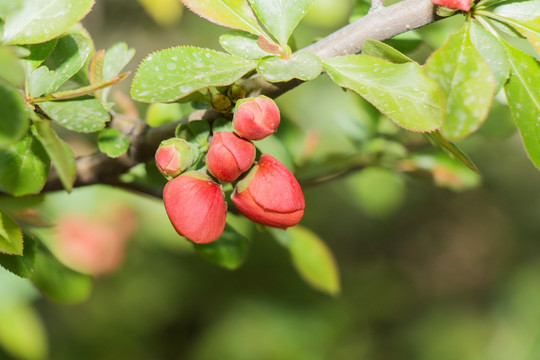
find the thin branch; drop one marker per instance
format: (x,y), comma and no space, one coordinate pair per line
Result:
(322,179)
(139,189)
(381,24)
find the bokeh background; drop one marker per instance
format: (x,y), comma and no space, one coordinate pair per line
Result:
(435,262)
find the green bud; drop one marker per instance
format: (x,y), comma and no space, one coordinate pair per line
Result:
(236,92)
(221,103)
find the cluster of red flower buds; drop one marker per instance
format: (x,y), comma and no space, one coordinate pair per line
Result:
(266,192)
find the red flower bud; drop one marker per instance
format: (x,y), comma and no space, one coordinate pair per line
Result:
(196,206)
(175,156)
(270,195)
(94,246)
(229,156)
(256,118)
(464,5)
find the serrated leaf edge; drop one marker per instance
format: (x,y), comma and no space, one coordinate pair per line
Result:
(149,58)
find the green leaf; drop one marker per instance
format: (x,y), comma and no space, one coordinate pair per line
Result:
(116,58)
(85,114)
(523,16)
(311,257)
(280,17)
(236,14)
(405,42)
(158,114)
(196,132)
(20,51)
(40,81)
(25,166)
(523,94)
(22,333)
(95,67)
(447,172)
(38,54)
(38,21)
(443,11)
(228,251)
(58,282)
(403,92)
(360,9)
(222,125)
(13,116)
(451,149)
(113,143)
(10,67)
(501,24)
(60,154)
(384,51)
(174,73)
(493,53)
(239,43)
(489,3)
(11,239)
(467,82)
(519,10)
(531,30)
(66,60)
(9,7)
(22,266)
(303,65)
(314,260)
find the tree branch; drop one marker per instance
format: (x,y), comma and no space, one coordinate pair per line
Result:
(380,23)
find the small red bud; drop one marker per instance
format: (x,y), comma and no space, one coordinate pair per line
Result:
(229,156)
(196,206)
(464,5)
(256,118)
(175,156)
(270,195)
(269,46)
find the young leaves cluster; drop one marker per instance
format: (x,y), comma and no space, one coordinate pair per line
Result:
(260,42)
(451,95)
(517,72)
(51,79)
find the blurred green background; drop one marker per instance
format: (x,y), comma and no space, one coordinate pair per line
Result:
(436,263)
